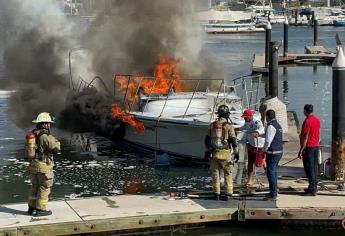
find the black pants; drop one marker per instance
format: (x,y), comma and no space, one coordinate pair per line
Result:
(310,163)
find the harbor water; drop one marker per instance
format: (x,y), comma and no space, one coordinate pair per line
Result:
(80,172)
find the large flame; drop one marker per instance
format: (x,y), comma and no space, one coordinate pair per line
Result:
(119,114)
(166,74)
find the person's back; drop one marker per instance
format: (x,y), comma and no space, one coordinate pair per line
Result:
(222,151)
(311,126)
(41,165)
(309,148)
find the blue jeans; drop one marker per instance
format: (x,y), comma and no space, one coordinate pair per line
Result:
(272,161)
(310,164)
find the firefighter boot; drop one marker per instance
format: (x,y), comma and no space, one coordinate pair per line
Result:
(38,213)
(31,210)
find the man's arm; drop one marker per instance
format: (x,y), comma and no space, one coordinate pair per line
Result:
(303,142)
(232,140)
(303,138)
(259,127)
(270,133)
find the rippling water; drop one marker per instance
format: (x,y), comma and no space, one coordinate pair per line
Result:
(82,173)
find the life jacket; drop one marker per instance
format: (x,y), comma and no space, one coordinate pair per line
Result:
(219,136)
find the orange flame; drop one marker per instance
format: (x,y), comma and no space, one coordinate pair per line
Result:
(117,113)
(167,77)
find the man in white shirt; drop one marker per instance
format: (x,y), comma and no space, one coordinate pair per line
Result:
(254,131)
(274,151)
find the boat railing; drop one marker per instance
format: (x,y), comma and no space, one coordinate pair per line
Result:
(248,87)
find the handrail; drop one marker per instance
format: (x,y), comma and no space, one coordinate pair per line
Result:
(128,81)
(147,101)
(141,80)
(190,101)
(215,103)
(102,82)
(249,93)
(166,100)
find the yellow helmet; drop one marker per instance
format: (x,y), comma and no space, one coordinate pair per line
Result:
(43,117)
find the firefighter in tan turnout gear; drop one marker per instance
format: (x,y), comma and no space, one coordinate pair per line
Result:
(40,148)
(222,151)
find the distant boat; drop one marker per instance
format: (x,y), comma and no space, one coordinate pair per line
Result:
(224,14)
(227,28)
(340,22)
(266,13)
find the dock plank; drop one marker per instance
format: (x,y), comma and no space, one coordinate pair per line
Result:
(15,215)
(131,205)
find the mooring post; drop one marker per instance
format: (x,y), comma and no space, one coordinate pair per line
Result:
(338,115)
(286,37)
(312,18)
(273,69)
(296,17)
(267,43)
(315,31)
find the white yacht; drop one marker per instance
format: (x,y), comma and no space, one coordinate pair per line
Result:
(264,13)
(176,123)
(227,28)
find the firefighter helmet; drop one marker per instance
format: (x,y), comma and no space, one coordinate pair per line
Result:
(223,110)
(43,117)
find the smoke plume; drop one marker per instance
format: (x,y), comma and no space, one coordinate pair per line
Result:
(38,38)
(137,32)
(126,38)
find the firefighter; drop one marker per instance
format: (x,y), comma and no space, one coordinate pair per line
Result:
(222,151)
(41,165)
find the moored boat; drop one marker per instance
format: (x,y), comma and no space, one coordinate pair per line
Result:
(177,122)
(226,28)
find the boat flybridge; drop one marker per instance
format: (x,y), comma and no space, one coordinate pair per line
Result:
(176,122)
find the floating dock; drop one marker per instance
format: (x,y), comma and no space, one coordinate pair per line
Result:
(142,213)
(258,62)
(137,212)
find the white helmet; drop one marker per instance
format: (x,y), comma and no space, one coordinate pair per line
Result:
(43,117)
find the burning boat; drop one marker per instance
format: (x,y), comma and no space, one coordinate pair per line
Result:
(172,114)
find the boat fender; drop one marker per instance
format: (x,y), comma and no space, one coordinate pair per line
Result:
(343,223)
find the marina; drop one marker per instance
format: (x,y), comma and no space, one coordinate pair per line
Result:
(158,212)
(132,106)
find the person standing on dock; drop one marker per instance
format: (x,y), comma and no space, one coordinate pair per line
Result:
(273,148)
(222,151)
(254,131)
(309,148)
(41,165)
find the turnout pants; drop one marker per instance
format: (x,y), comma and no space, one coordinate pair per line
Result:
(40,189)
(216,166)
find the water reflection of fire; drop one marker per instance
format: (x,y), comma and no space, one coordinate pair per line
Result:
(166,74)
(119,114)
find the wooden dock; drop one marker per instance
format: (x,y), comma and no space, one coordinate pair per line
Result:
(258,62)
(137,212)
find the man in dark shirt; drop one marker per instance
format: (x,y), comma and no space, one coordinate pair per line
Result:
(309,150)
(274,151)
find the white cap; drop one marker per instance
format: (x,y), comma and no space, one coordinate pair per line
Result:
(339,61)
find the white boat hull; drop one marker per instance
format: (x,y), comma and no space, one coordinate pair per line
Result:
(180,139)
